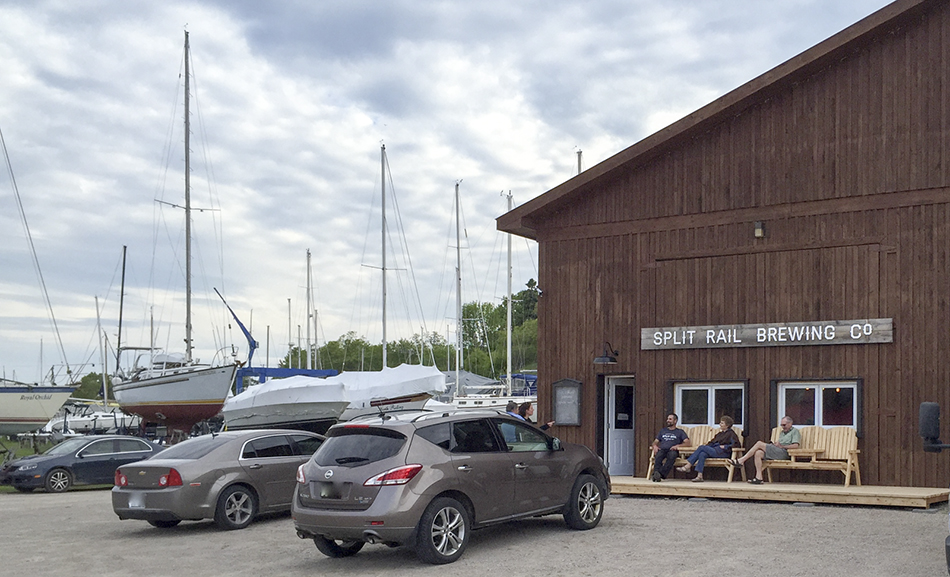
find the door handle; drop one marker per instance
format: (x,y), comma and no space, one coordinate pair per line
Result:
(464,468)
(256,466)
(521,466)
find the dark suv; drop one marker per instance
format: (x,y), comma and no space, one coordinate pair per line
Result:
(428,479)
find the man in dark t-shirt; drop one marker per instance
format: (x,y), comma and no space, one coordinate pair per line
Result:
(665,446)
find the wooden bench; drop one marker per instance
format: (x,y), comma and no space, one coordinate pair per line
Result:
(821,449)
(698,436)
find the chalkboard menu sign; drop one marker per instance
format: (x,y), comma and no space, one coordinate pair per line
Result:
(567,402)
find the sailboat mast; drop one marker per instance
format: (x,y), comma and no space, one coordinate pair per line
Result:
(118,340)
(458,287)
(309,313)
(187,209)
(102,356)
(509,302)
(382,164)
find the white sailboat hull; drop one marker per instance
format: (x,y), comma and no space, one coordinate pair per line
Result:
(27,408)
(97,421)
(179,399)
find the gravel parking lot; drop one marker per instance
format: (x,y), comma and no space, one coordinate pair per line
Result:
(76,533)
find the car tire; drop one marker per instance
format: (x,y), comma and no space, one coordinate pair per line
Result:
(586,505)
(443,531)
(165,524)
(58,481)
(337,549)
(237,506)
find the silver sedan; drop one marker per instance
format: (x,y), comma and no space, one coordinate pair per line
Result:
(230,477)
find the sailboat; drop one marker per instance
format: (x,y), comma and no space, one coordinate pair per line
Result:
(175,390)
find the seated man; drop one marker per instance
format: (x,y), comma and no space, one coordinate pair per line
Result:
(665,446)
(789,438)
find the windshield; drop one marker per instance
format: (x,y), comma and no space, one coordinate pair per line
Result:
(67,446)
(193,448)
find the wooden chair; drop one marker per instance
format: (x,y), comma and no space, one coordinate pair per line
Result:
(821,449)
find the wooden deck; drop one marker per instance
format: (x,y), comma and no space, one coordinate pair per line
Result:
(922,497)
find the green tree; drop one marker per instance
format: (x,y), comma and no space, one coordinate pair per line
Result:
(90,387)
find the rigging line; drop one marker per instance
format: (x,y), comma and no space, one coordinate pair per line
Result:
(36,261)
(211,181)
(405,246)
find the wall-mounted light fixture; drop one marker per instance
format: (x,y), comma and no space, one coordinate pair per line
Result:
(609,357)
(759,229)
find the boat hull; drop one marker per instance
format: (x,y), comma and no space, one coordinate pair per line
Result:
(27,408)
(314,417)
(177,400)
(408,403)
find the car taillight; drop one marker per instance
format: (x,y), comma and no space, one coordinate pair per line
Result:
(397,476)
(301,476)
(171,479)
(120,479)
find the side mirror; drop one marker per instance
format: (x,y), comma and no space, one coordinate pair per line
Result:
(930,427)
(555,444)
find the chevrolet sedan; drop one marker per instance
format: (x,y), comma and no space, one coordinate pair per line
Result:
(230,477)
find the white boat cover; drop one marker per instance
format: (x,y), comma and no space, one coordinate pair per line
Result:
(355,388)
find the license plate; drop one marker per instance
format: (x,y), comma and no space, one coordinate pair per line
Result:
(329,491)
(137,500)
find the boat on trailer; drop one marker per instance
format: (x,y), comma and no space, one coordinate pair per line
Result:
(171,389)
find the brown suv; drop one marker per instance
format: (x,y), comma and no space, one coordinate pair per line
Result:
(428,479)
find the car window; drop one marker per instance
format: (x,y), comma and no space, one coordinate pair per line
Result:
(272,446)
(305,444)
(133,446)
(194,448)
(103,447)
(521,437)
(440,434)
(353,447)
(66,447)
(474,437)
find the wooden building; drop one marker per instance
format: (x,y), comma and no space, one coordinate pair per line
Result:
(783,250)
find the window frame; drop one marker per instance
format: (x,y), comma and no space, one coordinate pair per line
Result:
(675,400)
(779,410)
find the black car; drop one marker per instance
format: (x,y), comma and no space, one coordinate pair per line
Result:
(89,460)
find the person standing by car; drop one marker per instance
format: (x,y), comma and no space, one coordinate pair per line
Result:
(665,446)
(526,410)
(789,438)
(719,448)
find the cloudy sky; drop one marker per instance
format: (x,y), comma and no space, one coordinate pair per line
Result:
(290,104)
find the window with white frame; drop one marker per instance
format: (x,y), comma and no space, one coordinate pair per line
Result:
(822,403)
(704,403)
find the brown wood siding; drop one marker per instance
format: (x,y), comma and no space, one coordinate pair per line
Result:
(879,263)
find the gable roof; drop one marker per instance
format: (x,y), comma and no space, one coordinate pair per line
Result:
(524,219)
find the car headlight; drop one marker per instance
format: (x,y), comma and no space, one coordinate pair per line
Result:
(26,467)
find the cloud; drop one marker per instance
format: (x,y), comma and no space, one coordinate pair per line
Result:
(291,103)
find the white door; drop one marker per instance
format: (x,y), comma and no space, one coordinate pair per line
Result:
(619,425)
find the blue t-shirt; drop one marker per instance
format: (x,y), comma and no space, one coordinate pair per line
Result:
(670,438)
